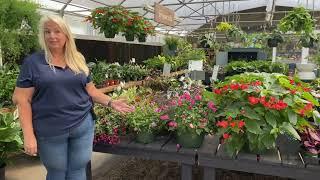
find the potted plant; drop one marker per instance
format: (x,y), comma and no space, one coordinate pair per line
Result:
(146,28)
(109,20)
(255,109)
(310,137)
(274,39)
(189,115)
(8,77)
(171,42)
(10,138)
(144,121)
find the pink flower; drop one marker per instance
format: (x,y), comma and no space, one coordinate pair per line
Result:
(192,102)
(253,100)
(173,124)
(180,102)
(164,117)
(191,126)
(226,136)
(158,110)
(198,97)
(212,106)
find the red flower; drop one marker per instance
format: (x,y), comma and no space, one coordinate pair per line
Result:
(306,89)
(253,100)
(241,124)
(217,91)
(172,124)
(293,91)
(223,124)
(244,86)
(229,118)
(226,136)
(233,124)
(234,86)
(198,97)
(292,81)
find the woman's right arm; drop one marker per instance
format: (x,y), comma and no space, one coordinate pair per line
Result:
(22,98)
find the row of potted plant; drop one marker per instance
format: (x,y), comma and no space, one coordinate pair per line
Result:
(103,73)
(115,19)
(248,111)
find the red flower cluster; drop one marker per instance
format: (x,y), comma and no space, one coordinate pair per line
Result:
(225,124)
(273,103)
(307,108)
(236,86)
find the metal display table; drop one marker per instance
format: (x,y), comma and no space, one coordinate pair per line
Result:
(211,155)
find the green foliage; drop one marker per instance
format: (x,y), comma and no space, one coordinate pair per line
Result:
(299,20)
(16,42)
(268,104)
(171,42)
(8,78)
(238,67)
(10,136)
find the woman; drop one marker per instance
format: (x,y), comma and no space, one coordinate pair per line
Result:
(54,95)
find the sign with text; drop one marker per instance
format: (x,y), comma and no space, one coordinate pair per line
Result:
(163,15)
(195,65)
(166,69)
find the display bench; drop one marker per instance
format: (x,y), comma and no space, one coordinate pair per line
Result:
(211,155)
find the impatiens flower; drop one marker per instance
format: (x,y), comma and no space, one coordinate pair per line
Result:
(293,91)
(234,86)
(226,136)
(244,86)
(292,81)
(212,106)
(241,124)
(253,100)
(223,124)
(164,117)
(173,124)
(198,97)
(233,124)
(229,118)
(217,91)
(191,126)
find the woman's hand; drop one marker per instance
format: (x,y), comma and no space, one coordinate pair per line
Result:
(30,145)
(121,106)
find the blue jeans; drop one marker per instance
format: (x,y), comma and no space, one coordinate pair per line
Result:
(65,156)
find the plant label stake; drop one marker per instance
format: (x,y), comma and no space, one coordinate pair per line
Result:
(1,63)
(274,54)
(304,55)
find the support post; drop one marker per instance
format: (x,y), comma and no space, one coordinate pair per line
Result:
(88,171)
(186,171)
(1,63)
(304,55)
(209,173)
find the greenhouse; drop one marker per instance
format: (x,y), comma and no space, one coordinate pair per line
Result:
(159,89)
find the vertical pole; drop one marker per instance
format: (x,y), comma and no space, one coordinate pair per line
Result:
(304,55)
(209,173)
(274,54)
(88,171)
(186,171)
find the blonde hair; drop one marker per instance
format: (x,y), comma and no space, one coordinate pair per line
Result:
(73,58)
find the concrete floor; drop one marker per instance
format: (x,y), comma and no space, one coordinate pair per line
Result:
(30,168)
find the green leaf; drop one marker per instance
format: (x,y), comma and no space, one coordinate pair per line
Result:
(287,127)
(316,117)
(288,100)
(292,116)
(268,140)
(310,98)
(251,114)
(259,110)
(253,126)
(271,119)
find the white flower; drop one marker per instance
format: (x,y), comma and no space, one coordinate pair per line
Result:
(106,75)
(153,124)
(181,78)
(135,129)
(118,88)
(122,83)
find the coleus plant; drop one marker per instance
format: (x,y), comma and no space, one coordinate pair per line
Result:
(255,108)
(311,140)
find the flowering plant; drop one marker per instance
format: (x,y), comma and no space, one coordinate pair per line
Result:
(144,118)
(256,108)
(188,111)
(110,20)
(109,126)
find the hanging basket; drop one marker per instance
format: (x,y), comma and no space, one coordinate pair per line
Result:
(145,137)
(189,139)
(272,42)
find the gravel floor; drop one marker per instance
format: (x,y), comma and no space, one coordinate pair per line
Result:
(138,169)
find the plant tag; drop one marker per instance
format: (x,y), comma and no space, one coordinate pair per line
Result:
(166,69)
(195,65)
(215,71)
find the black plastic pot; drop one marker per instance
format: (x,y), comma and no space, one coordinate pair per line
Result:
(142,38)
(109,34)
(288,145)
(129,37)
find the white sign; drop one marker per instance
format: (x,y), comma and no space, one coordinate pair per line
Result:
(215,71)
(195,65)
(166,69)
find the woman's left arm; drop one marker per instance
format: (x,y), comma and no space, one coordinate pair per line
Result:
(101,98)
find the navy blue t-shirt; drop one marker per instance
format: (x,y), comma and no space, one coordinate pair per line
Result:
(60,100)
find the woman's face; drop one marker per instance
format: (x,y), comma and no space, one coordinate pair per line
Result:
(54,37)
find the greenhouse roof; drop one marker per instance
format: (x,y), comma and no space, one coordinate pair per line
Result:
(190,14)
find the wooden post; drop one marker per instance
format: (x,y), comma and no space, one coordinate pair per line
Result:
(274,54)
(209,173)
(186,171)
